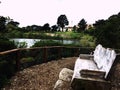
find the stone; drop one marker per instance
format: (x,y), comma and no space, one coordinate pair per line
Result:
(64,81)
(66,74)
(62,85)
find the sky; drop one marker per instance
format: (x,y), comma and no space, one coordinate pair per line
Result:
(39,12)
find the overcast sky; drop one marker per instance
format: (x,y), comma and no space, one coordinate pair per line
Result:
(39,12)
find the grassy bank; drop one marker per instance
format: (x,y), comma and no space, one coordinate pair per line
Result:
(84,39)
(44,35)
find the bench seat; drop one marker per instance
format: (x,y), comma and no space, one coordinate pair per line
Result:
(93,68)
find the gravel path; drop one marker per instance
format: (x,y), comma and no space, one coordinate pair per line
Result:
(44,76)
(40,77)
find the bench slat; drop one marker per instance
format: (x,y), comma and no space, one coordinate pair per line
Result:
(92,74)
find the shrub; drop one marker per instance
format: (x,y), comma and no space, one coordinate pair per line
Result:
(5,44)
(47,43)
(87,41)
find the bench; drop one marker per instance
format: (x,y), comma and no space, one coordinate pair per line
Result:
(91,72)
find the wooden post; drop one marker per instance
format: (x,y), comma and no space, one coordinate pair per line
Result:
(45,54)
(77,52)
(74,51)
(59,52)
(18,60)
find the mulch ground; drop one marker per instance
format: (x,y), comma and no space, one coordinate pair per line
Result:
(44,76)
(40,77)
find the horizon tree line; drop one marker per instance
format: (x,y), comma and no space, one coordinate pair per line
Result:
(106,32)
(7,25)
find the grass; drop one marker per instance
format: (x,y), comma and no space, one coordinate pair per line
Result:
(85,39)
(69,35)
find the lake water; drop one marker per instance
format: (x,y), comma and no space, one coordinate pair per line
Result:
(31,42)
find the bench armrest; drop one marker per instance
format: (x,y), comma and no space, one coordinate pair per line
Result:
(92,74)
(86,56)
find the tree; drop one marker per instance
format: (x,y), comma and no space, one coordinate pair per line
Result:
(54,28)
(46,27)
(62,21)
(74,28)
(82,25)
(99,23)
(99,29)
(107,32)
(5,44)
(2,23)
(36,28)
(12,25)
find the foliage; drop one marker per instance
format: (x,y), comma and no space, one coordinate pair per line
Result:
(46,43)
(69,35)
(14,34)
(82,25)
(27,59)
(46,27)
(11,26)
(5,44)
(62,21)
(54,28)
(42,35)
(74,28)
(87,41)
(13,23)
(107,32)
(2,24)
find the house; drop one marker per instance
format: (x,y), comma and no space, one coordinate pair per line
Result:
(69,28)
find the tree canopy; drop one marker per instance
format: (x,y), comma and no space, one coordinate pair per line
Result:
(82,25)
(107,32)
(62,21)
(46,27)
(2,23)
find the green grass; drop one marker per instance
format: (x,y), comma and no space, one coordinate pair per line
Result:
(27,59)
(69,35)
(85,39)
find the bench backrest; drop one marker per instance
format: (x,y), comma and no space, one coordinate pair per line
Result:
(104,58)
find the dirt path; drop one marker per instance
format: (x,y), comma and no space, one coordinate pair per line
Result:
(40,77)
(44,76)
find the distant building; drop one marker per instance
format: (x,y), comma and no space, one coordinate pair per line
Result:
(69,28)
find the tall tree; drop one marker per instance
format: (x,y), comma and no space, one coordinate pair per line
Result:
(99,29)
(12,25)
(2,23)
(82,25)
(74,28)
(62,21)
(107,32)
(46,27)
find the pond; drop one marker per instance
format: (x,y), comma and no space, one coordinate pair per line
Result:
(31,42)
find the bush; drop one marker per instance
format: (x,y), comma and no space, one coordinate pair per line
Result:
(87,41)
(47,43)
(14,34)
(5,44)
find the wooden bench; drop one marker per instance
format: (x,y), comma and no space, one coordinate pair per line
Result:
(91,72)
